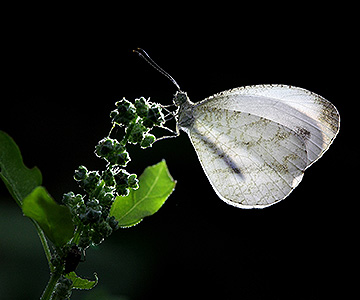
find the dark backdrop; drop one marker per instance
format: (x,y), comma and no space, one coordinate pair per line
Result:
(60,84)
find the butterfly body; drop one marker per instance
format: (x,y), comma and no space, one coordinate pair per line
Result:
(184,115)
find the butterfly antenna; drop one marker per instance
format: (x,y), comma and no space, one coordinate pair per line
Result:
(146,57)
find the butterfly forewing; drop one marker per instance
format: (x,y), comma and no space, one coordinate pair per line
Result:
(306,113)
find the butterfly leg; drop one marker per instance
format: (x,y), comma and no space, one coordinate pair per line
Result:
(174,134)
(169,113)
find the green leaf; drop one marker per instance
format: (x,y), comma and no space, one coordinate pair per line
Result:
(156,185)
(80,283)
(19,179)
(54,219)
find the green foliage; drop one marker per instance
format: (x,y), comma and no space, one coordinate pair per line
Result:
(65,285)
(156,185)
(19,179)
(81,283)
(54,219)
(110,198)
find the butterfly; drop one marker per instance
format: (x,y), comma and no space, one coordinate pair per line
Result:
(255,142)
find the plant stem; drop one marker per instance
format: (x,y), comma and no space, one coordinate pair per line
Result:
(77,235)
(50,286)
(44,244)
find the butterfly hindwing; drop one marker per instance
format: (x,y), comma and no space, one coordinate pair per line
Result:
(249,160)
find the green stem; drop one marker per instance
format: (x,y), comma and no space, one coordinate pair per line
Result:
(77,235)
(44,244)
(129,129)
(111,129)
(95,193)
(50,286)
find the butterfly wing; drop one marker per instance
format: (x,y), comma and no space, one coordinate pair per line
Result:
(254,143)
(314,118)
(249,161)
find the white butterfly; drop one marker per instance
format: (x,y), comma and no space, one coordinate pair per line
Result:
(255,142)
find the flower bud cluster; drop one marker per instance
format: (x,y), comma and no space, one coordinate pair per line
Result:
(63,288)
(138,119)
(90,213)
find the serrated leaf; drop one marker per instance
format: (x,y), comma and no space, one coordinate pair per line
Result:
(19,179)
(81,283)
(155,186)
(53,218)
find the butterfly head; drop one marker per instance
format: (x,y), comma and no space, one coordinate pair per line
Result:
(180,98)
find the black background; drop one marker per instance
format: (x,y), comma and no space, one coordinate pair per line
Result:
(62,74)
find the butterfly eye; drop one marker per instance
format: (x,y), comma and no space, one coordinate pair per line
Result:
(180,98)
